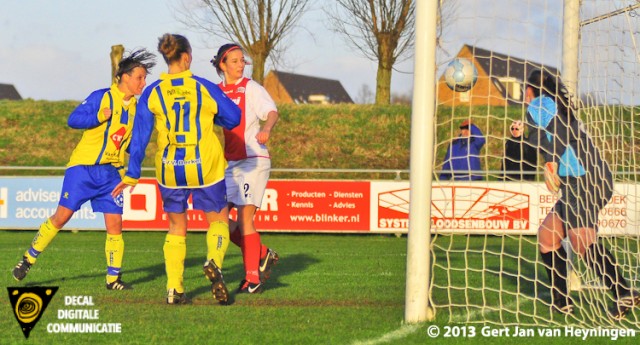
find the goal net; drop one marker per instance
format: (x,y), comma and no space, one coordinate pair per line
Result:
(486,265)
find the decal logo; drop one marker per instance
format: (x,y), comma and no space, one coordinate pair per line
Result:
(29,303)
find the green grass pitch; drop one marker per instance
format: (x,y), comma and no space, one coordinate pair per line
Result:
(327,289)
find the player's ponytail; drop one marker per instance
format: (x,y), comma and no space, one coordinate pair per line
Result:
(172,46)
(138,58)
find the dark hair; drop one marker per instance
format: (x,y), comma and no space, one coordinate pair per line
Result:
(221,56)
(138,58)
(543,82)
(172,46)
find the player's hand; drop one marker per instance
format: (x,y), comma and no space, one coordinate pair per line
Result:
(262,137)
(107,113)
(551,178)
(120,188)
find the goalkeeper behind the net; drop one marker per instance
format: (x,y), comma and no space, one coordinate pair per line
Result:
(575,170)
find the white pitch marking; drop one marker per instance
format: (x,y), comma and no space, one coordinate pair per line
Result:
(398,334)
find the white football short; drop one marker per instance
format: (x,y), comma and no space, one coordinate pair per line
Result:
(246,181)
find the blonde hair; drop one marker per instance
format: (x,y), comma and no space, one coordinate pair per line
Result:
(172,46)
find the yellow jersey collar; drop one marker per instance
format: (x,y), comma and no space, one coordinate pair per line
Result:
(117,94)
(184,74)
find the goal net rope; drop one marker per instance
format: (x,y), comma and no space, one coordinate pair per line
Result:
(486,265)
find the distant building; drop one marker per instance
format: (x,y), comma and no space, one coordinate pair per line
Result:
(8,91)
(294,88)
(500,81)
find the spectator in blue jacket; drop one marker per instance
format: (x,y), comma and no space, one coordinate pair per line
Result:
(463,155)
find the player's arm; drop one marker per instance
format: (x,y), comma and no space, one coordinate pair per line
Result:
(261,102)
(88,114)
(551,178)
(265,131)
(229,114)
(140,136)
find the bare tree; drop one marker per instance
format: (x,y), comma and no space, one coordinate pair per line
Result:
(382,30)
(259,26)
(365,95)
(447,11)
(401,98)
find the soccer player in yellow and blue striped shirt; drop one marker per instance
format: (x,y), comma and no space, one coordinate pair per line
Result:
(97,163)
(189,161)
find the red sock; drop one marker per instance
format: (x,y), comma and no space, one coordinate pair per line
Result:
(263,251)
(251,256)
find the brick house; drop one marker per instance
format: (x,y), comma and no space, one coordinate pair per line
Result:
(294,88)
(500,79)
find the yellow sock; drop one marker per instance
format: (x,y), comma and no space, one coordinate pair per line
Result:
(45,235)
(175,251)
(114,250)
(217,242)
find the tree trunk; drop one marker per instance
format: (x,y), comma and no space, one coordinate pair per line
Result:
(383,83)
(258,61)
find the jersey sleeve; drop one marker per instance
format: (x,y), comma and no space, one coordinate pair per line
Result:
(87,114)
(259,99)
(540,114)
(140,136)
(229,113)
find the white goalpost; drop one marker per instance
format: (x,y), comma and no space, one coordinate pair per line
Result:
(422,115)
(473,253)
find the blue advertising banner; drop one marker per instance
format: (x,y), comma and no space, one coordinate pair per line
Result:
(26,202)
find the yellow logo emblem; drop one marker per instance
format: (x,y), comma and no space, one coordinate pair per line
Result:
(29,303)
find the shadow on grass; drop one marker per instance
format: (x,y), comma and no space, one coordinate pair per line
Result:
(287,265)
(233,274)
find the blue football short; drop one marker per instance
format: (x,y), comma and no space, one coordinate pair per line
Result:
(93,183)
(207,199)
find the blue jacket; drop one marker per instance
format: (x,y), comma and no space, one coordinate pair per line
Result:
(463,156)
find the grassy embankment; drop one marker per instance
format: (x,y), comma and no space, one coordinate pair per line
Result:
(34,133)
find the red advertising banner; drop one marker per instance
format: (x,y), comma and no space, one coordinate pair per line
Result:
(331,206)
(466,208)
(286,206)
(315,205)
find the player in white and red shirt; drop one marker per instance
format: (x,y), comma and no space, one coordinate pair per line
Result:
(249,162)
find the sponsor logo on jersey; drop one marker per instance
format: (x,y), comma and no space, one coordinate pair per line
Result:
(117,137)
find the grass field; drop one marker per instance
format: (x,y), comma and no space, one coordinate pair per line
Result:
(322,292)
(327,289)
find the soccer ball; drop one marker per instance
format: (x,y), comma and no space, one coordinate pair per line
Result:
(460,75)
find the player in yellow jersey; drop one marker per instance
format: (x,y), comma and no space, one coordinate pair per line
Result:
(96,164)
(189,160)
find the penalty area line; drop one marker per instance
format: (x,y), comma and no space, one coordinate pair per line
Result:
(398,334)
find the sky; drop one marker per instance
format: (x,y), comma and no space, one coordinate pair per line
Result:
(59,50)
